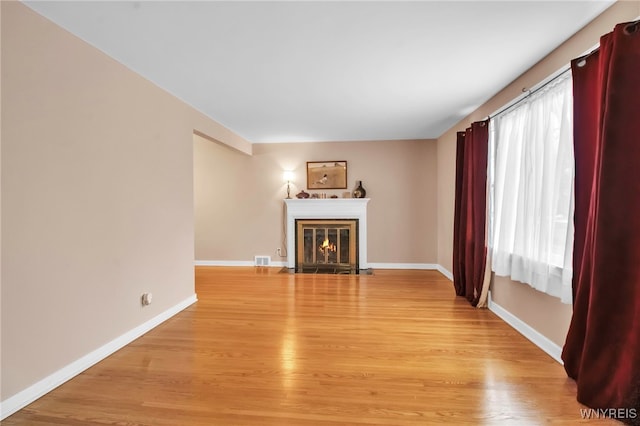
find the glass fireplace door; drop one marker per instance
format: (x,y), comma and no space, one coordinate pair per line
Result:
(326,245)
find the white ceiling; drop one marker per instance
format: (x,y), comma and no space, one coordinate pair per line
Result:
(333,70)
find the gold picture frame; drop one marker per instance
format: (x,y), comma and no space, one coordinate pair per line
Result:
(326,174)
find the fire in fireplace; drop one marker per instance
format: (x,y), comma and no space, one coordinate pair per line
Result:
(327,245)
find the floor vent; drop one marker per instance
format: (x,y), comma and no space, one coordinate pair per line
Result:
(263,260)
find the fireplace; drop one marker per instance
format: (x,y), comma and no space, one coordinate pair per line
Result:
(329,211)
(327,246)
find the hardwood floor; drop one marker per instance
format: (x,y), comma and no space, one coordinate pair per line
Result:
(267,348)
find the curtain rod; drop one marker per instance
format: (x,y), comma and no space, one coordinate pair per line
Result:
(528,92)
(567,68)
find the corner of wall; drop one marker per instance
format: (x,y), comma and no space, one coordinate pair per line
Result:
(1,103)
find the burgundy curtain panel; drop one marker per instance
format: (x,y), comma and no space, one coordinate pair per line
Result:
(602,349)
(469,234)
(458,244)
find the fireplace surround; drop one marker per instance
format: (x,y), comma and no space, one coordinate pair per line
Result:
(323,210)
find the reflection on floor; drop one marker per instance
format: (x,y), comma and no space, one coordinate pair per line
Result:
(326,269)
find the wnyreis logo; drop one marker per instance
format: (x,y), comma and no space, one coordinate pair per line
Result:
(609,413)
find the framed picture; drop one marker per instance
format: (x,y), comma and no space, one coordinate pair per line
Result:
(326,174)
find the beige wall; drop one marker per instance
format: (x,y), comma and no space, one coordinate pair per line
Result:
(97,197)
(524,302)
(1,398)
(239,207)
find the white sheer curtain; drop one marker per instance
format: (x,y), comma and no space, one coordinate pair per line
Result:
(532,209)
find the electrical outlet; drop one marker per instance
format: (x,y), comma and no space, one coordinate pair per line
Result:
(146,299)
(278,250)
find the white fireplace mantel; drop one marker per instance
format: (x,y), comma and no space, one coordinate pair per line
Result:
(329,208)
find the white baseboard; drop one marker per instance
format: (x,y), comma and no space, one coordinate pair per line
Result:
(224,263)
(403,266)
(428,266)
(235,263)
(445,272)
(527,331)
(35,391)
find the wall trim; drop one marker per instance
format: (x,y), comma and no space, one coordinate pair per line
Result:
(236,263)
(538,339)
(224,263)
(427,266)
(445,272)
(49,383)
(403,266)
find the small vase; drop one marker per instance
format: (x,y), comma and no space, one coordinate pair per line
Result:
(359,192)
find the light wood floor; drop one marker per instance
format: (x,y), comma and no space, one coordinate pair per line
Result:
(266,348)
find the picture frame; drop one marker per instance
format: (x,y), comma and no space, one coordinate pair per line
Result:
(326,174)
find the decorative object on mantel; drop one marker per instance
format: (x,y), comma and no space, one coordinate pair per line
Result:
(359,192)
(346,194)
(326,174)
(302,194)
(334,196)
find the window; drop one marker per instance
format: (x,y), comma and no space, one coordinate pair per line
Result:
(531,180)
